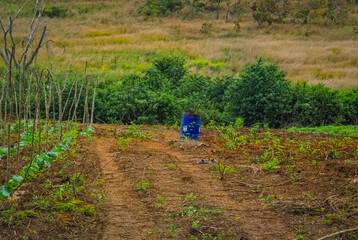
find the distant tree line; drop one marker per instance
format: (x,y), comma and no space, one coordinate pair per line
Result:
(262,11)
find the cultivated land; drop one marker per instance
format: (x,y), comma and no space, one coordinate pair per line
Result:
(115,39)
(146,184)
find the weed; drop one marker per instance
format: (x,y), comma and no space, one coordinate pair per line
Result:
(196,224)
(135,131)
(290,168)
(301,237)
(313,163)
(254,129)
(123,141)
(12,214)
(161,202)
(142,186)
(40,202)
(223,170)
(190,198)
(88,210)
(332,217)
(206,28)
(267,199)
(67,206)
(268,166)
(64,169)
(171,166)
(256,159)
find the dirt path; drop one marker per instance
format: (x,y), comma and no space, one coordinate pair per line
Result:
(127,218)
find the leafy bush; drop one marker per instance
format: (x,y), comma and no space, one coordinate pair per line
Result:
(315,105)
(261,95)
(161,7)
(172,68)
(55,12)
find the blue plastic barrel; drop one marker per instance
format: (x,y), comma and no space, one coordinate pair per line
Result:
(190,126)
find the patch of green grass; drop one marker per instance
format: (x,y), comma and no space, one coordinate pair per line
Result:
(350,130)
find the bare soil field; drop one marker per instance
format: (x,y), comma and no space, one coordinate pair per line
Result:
(154,188)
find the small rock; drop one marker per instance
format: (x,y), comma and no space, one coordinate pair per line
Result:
(354,181)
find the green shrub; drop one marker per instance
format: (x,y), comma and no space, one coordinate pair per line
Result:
(172,67)
(315,105)
(55,12)
(261,95)
(161,7)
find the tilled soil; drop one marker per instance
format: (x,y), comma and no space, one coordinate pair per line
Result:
(251,203)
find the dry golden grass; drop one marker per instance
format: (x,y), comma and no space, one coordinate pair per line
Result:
(116,39)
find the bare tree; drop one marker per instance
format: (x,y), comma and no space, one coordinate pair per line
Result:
(25,58)
(85,119)
(59,90)
(2,97)
(47,95)
(93,101)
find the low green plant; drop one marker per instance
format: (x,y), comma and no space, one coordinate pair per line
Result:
(290,168)
(190,198)
(267,198)
(223,170)
(67,206)
(12,214)
(88,210)
(55,12)
(334,217)
(142,186)
(206,28)
(40,202)
(161,200)
(171,166)
(196,224)
(301,237)
(123,141)
(64,169)
(268,166)
(135,131)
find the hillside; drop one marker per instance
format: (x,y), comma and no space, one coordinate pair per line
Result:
(115,39)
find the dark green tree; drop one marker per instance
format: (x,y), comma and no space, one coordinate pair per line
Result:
(261,95)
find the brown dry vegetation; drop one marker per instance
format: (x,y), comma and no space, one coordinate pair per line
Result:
(114,39)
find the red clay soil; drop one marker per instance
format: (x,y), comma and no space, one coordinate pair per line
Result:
(156,189)
(250,203)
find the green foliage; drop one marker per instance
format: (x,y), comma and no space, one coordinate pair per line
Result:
(262,95)
(88,210)
(223,170)
(12,214)
(142,186)
(161,7)
(315,105)
(267,198)
(269,165)
(172,67)
(123,141)
(206,28)
(190,198)
(351,131)
(55,12)
(67,206)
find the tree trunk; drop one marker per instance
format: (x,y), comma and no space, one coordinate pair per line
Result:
(93,100)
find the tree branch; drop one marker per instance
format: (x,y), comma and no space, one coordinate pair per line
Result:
(34,53)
